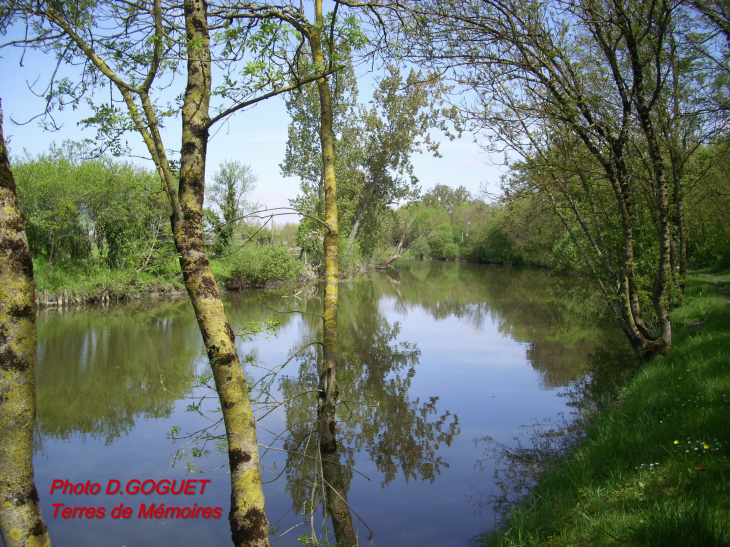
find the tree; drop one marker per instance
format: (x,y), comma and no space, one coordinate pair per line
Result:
(395,127)
(232,184)
(327,389)
(97,211)
(399,433)
(303,156)
(585,75)
(130,47)
(21,523)
(373,146)
(319,35)
(446,197)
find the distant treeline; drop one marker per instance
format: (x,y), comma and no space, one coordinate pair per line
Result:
(88,216)
(522,226)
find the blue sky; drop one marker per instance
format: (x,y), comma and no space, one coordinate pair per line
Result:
(256,136)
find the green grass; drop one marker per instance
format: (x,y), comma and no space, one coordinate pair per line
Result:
(709,278)
(96,280)
(255,266)
(655,468)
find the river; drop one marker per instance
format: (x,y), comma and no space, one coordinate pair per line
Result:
(435,357)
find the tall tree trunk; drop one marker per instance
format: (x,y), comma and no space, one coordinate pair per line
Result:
(249,526)
(327,390)
(663,343)
(337,505)
(21,523)
(677,148)
(627,293)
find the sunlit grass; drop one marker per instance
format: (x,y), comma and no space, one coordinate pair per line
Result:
(96,279)
(655,470)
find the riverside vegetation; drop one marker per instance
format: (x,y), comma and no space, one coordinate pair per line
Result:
(652,466)
(612,116)
(625,482)
(97,230)
(98,227)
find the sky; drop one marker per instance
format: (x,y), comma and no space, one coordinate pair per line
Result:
(256,136)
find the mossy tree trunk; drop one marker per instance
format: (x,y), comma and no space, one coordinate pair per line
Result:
(249,526)
(328,390)
(21,523)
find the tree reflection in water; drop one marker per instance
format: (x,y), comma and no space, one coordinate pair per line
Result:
(375,413)
(100,369)
(518,467)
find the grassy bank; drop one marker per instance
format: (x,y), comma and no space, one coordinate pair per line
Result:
(654,469)
(92,282)
(255,266)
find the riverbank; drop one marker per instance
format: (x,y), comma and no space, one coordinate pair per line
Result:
(74,284)
(77,283)
(654,468)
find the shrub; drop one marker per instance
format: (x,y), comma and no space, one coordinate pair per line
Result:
(450,251)
(351,259)
(420,249)
(257,265)
(438,240)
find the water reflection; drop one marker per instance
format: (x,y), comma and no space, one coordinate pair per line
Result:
(100,369)
(376,414)
(425,349)
(556,317)
(517,466)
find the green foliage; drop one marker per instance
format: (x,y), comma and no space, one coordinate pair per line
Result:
(416,225)
(446,197)
(493,243)
(257,265)
(450,251)
(420,249)
(373,148)
(706,211)
(267,328)
(351,259)
(439,240)
(310,236)
(98,211)
(652,468)
(566,256)
(232,184)
(97,279)
(448,224)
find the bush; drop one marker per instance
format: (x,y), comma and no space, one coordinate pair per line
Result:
(450,251)
(438,240)
(492,243)
(420,249)
(351,259)
(257,265)
(100,211)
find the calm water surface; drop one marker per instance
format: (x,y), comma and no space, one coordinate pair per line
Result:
(433,356)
